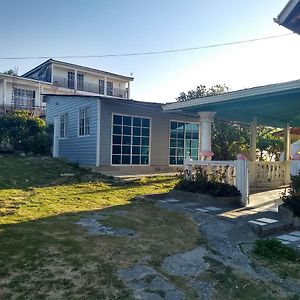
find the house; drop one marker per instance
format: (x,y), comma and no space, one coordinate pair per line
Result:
(289,17)
(57,77)
(120,135)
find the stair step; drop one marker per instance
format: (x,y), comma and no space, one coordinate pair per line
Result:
(264,229)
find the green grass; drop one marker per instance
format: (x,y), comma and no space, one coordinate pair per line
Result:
(44,254)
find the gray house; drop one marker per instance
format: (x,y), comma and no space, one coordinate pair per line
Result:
(120,135)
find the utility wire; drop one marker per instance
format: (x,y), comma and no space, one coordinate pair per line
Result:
(151,52)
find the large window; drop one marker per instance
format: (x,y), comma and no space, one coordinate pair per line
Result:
(63,118)
(71,80)
(80,82)
(109,88)
(184,140)
(130,140)
(101,86)
(23,98)
(84,121)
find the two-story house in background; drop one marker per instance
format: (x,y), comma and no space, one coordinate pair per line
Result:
(57,77)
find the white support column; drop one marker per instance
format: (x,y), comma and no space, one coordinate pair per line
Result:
(206,119)
(128,90)
(75,81)
(105,85)
(4,92)
(287,142)
(253,136)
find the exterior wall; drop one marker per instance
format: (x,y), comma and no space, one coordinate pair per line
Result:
(78,149)
(160,127)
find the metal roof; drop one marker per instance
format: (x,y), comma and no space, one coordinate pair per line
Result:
(273,105)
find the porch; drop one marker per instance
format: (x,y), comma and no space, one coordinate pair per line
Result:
(274,105)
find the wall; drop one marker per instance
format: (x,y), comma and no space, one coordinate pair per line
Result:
(160,126)
(80,150)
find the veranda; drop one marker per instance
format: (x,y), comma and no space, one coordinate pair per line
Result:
(276,105)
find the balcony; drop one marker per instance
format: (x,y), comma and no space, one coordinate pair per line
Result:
(89,87)
(24,103)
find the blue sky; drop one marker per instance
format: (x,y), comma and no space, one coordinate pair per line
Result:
(91,27)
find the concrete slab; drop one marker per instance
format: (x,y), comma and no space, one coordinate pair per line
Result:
(289,238)
(295,233)
(257,223)
(212,208)
(283,242)
(201,209)
(267,220)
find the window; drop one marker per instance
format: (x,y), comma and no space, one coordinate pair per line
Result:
(109,88)
(23,98)
(63,119)
(101,87)
(184,140)
(130,140)
(71,80)
(84,121)
(80,82)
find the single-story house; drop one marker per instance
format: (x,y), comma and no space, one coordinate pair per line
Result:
(121,134)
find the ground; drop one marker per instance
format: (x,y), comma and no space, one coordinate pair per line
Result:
(52,215)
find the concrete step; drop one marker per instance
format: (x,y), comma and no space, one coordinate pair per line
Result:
(264,229)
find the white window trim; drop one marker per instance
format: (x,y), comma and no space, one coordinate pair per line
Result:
(169,132)
(66,126)
(111,139)
(78,124)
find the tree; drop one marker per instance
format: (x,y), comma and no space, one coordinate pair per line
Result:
(10,72)
(228,137)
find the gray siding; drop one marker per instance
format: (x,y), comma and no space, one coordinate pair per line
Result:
(160,123)
(82,149)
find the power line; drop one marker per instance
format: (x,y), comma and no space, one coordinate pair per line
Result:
(152,52)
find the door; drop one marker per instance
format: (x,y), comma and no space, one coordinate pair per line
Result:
(55,137)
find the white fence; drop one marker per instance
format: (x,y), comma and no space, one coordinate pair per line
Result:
(236,173)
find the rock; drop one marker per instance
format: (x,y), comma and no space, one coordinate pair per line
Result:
(190,263)
(136,272)
(158,283)
(149,296)
(174,295)
(67,174)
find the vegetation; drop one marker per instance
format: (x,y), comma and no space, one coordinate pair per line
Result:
(10,72)
(292,199)
(20,131)
(205,183)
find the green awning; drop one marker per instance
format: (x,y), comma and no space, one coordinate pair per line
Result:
(273,105)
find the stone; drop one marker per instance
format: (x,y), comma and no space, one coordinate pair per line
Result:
(149,296)
(190,263)
(289,238)
(174,295)
(267,220)
(296,233)
(212,208)
(201,209)
(136,272)
(257,223)
(158,283)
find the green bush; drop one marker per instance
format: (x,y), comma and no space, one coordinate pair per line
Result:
(274,250)
(207,184)
(292,200)
(23,132)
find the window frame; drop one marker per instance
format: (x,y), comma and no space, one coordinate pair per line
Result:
(65,126)
(184,140)
(131,139)
(84,122)
(80,82)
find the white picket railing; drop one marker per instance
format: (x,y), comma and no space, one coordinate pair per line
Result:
(236,173)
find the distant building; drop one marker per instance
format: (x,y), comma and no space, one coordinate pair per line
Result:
(56,77)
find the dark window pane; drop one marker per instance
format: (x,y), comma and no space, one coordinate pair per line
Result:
(126,130)
(145,150)
(194,135)
(180,152)
(145,141)
(116,139)
(172,160)
(126,121)
(126,140)
(136,150)
(172,151)
(180,126)
(180,143)
(117,129)
(125,159)
(173,125)
(145,122)
(194,143)
(188,127)
(137,122)
(173,134)
(125,149)
(116,150)
(145,132)
(116,159)
(179,160)
(144,160)
(195,153)
(118,119)
(136,131)
(180,134)
(172,143)
(136,141)
(188,135)
(136,160)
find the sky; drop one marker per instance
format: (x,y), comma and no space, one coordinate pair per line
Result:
(95,27)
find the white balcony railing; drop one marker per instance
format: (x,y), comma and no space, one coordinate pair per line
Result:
(89,87)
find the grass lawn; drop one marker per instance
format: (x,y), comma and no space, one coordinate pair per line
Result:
(44,254)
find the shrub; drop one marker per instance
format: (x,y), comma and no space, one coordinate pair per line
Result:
(23,132)
(292,200)
(274,250)
(207,184)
